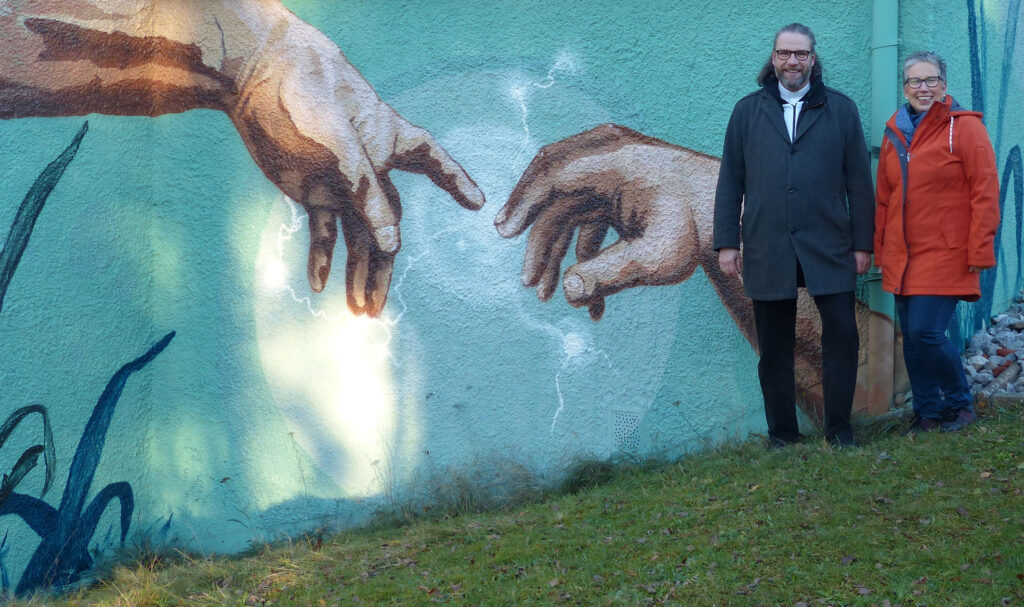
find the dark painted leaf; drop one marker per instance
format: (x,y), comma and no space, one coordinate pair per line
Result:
(49,452)
(37,514)
(25,463)
(28,212)
(90,447)
(121,491)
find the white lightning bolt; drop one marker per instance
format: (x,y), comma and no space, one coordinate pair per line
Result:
(276,279)
(573,344)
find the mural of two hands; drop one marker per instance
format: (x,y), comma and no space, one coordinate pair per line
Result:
(319,131)
(321,134)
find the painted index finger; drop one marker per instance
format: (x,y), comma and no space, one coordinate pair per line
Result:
(416,151)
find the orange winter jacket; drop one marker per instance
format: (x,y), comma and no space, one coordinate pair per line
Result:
(925,244)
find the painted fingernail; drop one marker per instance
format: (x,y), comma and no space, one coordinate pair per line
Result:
(316,281)
(387,238)
(574,286)
(502,216)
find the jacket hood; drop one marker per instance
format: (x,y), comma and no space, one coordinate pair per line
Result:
(940,110)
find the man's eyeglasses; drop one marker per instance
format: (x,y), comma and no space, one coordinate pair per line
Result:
(785,55)
(930,82)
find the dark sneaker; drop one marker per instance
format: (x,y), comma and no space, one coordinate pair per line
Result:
(922,424)
(843,438)
(964,417)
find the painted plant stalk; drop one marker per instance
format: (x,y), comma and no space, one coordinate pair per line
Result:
(28,212)
(30,457)
(65,531)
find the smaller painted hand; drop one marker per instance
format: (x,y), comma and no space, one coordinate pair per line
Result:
(658,198)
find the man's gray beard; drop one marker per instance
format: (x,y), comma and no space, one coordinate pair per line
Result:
(799,85)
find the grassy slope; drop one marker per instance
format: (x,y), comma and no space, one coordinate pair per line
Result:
(936,520)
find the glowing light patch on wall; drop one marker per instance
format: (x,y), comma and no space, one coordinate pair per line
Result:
(329,371)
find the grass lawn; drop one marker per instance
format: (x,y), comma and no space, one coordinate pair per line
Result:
(936,519)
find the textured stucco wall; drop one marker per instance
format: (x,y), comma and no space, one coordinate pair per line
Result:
(273,409)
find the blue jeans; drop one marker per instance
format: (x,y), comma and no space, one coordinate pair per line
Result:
(933,362)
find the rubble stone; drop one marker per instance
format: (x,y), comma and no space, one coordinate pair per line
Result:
(991,358)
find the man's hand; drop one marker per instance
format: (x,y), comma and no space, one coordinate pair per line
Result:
(656,196)
(863,260)
(311,122)
(730,261)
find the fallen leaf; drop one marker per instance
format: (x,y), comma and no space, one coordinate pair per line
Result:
(986,474)
(962,511)
(982,580)
(553,583)
(754,488)
(863,591)
(921,580)
(846,560)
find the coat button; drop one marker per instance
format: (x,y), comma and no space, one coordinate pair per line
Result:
(791,190)
(792,230)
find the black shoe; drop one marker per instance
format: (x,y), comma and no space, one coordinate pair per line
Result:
(843,439)
(774,442)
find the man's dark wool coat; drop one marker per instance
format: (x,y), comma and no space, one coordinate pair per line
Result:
(810,200)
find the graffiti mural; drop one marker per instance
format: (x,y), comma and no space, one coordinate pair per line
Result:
(975,316)
(65,531)
(228,143)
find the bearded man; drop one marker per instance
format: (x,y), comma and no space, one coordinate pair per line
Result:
(794,190)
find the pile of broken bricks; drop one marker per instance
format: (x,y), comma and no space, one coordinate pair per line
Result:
(991,361)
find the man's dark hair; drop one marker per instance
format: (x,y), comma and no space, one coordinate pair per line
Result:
(792,28)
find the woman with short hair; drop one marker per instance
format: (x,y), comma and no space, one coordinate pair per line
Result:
(937,212)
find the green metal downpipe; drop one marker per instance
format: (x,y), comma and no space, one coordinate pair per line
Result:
(884,96)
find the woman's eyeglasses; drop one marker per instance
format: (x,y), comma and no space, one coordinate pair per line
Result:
(930,82)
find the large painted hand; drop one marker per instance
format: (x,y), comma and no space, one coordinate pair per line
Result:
(658,198)
(319,131)
(312,123)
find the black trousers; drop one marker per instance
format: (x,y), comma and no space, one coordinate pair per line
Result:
(776,333)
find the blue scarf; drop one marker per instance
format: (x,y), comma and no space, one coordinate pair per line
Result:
(907,121)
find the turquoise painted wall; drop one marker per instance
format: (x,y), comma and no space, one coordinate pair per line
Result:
(273,409)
